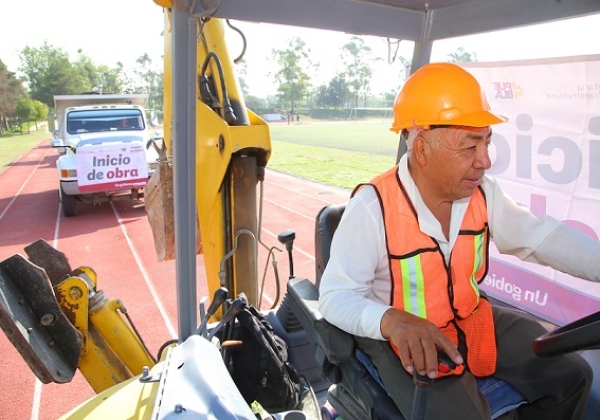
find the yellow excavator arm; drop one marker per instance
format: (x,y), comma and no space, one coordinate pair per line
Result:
(232,144)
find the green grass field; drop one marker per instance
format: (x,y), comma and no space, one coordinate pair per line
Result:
(367,137)
(340,154)
(13,146)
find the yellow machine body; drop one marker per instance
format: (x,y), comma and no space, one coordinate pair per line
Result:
(131,399)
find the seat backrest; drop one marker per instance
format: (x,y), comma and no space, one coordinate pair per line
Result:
(326,223)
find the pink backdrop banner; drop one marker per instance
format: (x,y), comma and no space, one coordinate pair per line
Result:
(547,157)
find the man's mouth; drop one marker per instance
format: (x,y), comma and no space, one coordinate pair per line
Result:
(474,181)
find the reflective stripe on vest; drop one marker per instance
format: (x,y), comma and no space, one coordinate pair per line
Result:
(424,285)
(413,286)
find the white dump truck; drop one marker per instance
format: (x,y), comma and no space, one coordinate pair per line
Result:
(107,149)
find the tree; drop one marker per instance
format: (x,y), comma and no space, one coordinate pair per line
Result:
(255,103)
(150,81)
(460,55)
(25,111)
(292,76)
(86,69)
(109,79)
(40,112)
(356,57)
(50,72)
(124,78)
(11,90)
(321,96)
(337,91)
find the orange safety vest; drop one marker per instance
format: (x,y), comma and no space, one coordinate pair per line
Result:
(424,285)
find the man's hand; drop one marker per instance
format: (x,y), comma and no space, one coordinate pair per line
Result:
(417,341)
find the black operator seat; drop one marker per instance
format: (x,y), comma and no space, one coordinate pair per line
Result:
(354,393)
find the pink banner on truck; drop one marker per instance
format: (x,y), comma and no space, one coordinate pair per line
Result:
(547,157)
(106,167)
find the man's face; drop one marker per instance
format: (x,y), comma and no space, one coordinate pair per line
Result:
(458,159)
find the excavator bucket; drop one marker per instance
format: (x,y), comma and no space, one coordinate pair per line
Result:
(54,262)
(34,323)
(158,197)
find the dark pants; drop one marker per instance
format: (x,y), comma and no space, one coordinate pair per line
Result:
(555,387)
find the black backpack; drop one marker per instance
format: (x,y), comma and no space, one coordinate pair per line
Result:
(261,369)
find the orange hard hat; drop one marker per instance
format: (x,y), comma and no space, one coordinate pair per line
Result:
(442,94)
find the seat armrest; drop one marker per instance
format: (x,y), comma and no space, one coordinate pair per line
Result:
(334,353)
(335,344)
(338,345)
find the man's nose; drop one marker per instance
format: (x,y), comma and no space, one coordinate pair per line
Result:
(482,158)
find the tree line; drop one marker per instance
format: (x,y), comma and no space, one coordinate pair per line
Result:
(349,87)
(49,71)
(294,67)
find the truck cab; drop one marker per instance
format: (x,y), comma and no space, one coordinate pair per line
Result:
(106,146)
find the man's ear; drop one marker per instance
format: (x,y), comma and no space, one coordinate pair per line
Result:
(420,150)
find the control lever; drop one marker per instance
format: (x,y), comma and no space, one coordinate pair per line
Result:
(424,382)
(422,385)
(238,305)
(287,238)
(445,363)
(219,297)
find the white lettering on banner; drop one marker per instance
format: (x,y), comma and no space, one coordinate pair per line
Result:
(515,292)
(546,156)
(111,166)
(117,173)
(571,152)
(111,161)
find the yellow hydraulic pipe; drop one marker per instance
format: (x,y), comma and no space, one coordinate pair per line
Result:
(117,333)
(99,364)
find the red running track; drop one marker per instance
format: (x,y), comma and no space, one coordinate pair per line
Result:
(116,241)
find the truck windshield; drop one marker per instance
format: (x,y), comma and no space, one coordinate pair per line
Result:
(96,120)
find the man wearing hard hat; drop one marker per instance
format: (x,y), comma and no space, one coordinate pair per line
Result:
(413,246)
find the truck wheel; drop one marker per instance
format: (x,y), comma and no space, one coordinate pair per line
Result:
(68,203)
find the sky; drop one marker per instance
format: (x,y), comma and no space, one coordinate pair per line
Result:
(111,31)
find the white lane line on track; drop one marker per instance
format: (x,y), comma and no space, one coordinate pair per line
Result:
(57,226)
(343,194)
(149,283)
(24,183)
(37,398)
(37,389)
(289,209)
